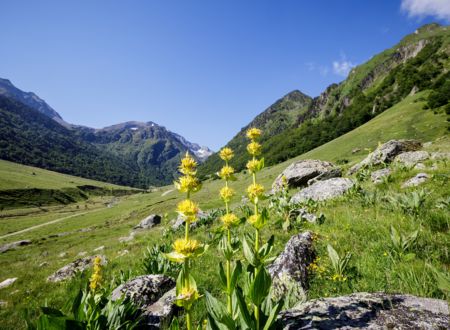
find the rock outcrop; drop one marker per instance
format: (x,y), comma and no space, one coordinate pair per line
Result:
(154,294)
(379,175)
(149,222)
(416,180)
(411,158)
(300,172)
(386,153)
(70,270)
(13,245)
(367,311)
(323,190)
(289,271)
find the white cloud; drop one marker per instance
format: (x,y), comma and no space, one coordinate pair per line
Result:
(422,8)
(343,67)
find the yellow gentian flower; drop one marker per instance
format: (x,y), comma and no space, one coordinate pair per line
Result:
(229,220)
(187,208)
(226,172)
(226,194)
(253,165)
(226,154)
(255,190)
(254,148)
(253,133)
(188,165)
(188,183)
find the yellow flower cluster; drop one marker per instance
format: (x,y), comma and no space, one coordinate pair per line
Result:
(254,165)
(229,220)
(226,154)
(187,248)
(96,278)
(253,133)
(226,194)
(187,296)
(254,148)
(188,209)
(255,190)
(188,182)
(226,172)
(188,165)
(338,278)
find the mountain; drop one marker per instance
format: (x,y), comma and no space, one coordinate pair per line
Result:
(132,153)
(419,62)
(30,99)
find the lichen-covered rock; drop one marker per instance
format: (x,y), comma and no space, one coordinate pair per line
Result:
(149,222)
(300,172)
(304,214)
(378,176)
(154,295)
(368,311)
(386,153)
(323,190)
(289,271)
(13,245)
(69,271)
(416,180)
(440,155)
(411,158)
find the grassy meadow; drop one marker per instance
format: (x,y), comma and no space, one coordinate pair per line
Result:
(358,223)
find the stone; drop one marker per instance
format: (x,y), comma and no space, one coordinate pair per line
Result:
(411,158)
(100,248)
(416,180)
(304,214)
(62,255)
(149,222)
(300,172)
(7,282)
(154,295)
(128,238)
(420,166)
(13,245)
(355,150)
(367,311)
(43,264)
(324,190)
(289,271)
(440,155)
(386,153)
(123,252)
(379,175)
(69,271)
(82,254)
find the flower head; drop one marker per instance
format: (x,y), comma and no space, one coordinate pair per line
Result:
(254,191)
(229,220)
(188,209)
(186,297)
(186,247)
(253,133)
(254,165)
(226,172)
(96,278)
(226,194)
(188,183)
(257,220)
(188,165)
(254,148)
(226,154)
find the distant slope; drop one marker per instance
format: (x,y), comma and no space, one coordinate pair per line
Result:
(419,62)
(25,186)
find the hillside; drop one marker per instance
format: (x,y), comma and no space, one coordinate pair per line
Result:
(23,185)
(419,62)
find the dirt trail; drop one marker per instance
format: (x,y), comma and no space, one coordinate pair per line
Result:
(166,192)
(49,223)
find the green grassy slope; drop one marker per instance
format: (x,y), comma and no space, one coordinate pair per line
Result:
(351,225)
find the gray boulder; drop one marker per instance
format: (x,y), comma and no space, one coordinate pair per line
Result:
(149,222)
(323,190)
(289,270)
(411,158)
(7,282)
(179,221)
(154,294)
(440,155)
(378,176)
(368,311)
(304,214)
(13,245)
(386,153)
(416,180)
(300,172)
(70,270)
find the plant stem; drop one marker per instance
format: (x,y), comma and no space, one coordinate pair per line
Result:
(188,320)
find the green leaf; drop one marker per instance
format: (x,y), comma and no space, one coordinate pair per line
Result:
(334,257)
(52,312)
(244,315)
(219,312)
(222,276)
(249,253)
(237,270)
(260,286)
(273,316)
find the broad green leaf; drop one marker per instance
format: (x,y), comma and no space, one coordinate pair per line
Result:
(249,253)
(218,312)
(260,286)
(334,257)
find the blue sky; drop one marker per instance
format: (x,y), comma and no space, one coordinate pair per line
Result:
(203,69)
